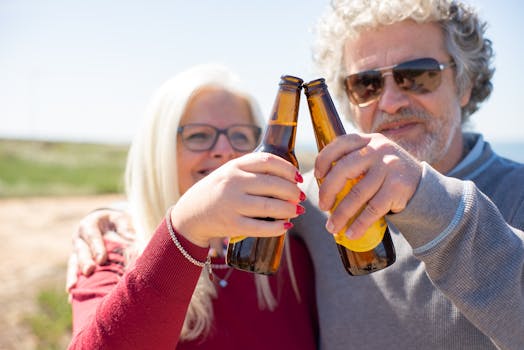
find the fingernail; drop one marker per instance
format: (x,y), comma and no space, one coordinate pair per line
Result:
(300,210)
(288,225)
(298,177)
(350,234)
(330,227)
(302,196)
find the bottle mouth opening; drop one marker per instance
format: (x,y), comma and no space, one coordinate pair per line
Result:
(291,80)
(314,84)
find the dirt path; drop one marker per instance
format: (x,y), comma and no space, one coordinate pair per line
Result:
(35,236)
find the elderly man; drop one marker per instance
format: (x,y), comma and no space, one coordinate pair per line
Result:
(410,74)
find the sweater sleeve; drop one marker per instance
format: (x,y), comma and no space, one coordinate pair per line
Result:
(143,308)
(470,253)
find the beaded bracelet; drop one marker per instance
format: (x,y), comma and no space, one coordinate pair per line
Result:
(206,264)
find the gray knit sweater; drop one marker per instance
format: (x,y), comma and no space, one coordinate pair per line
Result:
(458,279)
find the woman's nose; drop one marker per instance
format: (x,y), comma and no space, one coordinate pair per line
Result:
(223,148)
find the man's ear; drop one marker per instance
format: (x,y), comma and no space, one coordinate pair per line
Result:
(466,96)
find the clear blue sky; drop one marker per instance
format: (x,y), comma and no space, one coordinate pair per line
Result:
(84,70)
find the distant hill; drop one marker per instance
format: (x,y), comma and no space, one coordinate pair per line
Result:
(48,168)
(42,168)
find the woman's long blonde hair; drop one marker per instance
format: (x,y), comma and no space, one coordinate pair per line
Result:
(152,178)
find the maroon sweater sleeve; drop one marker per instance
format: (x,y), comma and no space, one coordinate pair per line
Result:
(143,308)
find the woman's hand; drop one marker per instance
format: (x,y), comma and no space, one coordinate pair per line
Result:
(227,202)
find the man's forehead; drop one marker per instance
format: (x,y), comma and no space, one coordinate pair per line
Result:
(389,44)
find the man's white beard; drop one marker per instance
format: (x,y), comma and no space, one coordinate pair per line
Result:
(433,145)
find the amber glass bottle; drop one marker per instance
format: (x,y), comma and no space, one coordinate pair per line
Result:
(262,254)
(373,251)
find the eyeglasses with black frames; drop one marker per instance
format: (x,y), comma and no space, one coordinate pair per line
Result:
(203,137)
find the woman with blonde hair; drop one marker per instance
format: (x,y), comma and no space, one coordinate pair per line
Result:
(168,289)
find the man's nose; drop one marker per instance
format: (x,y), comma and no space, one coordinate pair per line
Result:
(393,97)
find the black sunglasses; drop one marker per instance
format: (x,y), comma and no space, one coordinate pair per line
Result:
(418,76)
(203,137)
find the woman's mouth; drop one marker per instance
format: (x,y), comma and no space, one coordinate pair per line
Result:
(204,172)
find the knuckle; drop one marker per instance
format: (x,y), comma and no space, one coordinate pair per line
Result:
(338,220)
(266,158)
(360,223)
(266,204)
(352,137)
(372,209)
(356,193)
(397,182)
(81,233)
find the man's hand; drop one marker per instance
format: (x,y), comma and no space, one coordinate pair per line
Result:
(88,240)
(388,176)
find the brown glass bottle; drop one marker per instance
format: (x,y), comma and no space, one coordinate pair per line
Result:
(375,250)
(262,254)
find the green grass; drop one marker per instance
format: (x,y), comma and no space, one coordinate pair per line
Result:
(40,168)
(52,324)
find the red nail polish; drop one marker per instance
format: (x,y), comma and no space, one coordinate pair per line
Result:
(298,177)
(288,225)
(302,196)
(300,209)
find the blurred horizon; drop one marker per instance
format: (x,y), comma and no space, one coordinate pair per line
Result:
(513,150)
(84,71)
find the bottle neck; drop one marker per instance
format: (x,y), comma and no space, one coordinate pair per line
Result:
(324,117)
(280,133)
(281,129)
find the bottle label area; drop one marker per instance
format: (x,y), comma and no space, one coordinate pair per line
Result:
(374,234)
